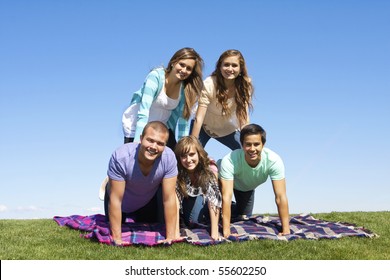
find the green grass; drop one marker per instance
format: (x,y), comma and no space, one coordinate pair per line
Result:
(44,240)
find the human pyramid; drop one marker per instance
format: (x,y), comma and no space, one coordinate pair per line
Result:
(154,178)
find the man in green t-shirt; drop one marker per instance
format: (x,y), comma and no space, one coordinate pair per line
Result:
(243,170)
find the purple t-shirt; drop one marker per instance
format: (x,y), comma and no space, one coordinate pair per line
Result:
(140,189)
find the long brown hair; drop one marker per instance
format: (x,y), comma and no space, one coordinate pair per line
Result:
(243,88)
(194,83)
(202,170)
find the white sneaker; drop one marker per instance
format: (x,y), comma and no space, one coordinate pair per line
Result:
(243,217)
(102,189)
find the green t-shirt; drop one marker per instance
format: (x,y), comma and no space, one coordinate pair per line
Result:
(246,178)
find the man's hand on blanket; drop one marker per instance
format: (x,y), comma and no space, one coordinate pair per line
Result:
(120,243)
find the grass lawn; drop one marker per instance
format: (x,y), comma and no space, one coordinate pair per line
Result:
(43,239)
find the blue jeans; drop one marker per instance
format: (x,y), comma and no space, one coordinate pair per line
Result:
(231,140)
(195,211)
(244,203)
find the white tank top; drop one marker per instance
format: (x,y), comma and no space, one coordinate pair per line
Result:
(162,107)
(160,110)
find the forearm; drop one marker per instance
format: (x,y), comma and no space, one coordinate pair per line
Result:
(227,194)
(198,122)
(171,215)
(196,128)
(115,213)
(214,219)
(284,215)
(226,215)
(177,228)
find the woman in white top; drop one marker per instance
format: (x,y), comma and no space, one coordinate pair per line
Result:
(225,102)
(167,95)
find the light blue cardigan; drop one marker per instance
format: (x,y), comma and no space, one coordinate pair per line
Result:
(147,94)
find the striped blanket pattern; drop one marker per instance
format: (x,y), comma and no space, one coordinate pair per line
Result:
(302,226)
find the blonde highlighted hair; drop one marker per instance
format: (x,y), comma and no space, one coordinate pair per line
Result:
(194,83)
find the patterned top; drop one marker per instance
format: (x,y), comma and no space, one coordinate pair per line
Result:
(213,194)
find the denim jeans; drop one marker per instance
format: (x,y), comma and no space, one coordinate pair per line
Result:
(195,211)
(244,203)
(231,140)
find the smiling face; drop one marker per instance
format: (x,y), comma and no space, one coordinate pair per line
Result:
(152,144)
(183,68)
(190,159)
(230,67)
(252,146)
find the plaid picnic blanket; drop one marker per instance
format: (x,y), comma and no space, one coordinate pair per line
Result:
(257,227)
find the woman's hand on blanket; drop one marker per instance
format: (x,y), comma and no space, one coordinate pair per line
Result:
(170,241)
(284,233)
(235,235)
(216,237)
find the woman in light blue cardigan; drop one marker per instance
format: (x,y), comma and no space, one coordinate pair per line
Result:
(167,95)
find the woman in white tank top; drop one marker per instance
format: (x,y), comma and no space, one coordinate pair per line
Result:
(167,95)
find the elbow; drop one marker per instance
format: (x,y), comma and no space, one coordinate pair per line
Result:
(281,200)
(226,199)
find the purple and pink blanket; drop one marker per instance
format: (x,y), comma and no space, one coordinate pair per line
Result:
(95,227)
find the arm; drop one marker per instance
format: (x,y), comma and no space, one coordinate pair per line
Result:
(247,121)
(227,193)
(214,217)
(213,210)
(150,89)
(204,100)
(170,207)
(117,190)
(177,228)
(279,187)
(200,114)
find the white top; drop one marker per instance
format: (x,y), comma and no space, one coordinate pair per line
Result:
(215,124)
(162,107)
(160,110)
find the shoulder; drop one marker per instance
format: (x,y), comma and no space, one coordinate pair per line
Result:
(210,82)
(124,154)
(208,92)
(271,155)
(157,73)
(237,154)
(234,157)
(125,149)
(168,163)
(274,164)
(168,156)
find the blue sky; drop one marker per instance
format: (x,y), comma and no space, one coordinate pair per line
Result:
(321,71)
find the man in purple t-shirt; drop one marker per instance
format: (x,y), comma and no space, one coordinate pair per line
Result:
(136,172)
